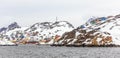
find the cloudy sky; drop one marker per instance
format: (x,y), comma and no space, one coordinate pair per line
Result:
(28,12)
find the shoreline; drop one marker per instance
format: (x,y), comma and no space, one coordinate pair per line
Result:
(60,45)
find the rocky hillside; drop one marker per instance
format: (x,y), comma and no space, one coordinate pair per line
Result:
(96,31)
(42,33)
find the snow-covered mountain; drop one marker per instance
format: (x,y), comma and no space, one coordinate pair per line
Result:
(49,25)
(12,26)
(3,29)
(96,31)
(38,32)
(48,30)
(4,38)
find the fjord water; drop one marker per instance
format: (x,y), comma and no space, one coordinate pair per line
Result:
(43,51)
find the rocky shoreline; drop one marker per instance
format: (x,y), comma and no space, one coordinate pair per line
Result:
(60,45)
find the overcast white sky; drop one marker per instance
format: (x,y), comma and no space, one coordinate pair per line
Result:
(28,12)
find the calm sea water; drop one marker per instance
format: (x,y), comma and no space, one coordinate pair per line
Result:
(35,51)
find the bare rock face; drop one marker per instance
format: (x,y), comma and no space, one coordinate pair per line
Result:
(12,26)
(3,29)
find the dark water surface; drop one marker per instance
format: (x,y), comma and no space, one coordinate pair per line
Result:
(36,51)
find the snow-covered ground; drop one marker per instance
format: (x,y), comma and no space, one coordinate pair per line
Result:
(6,42)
